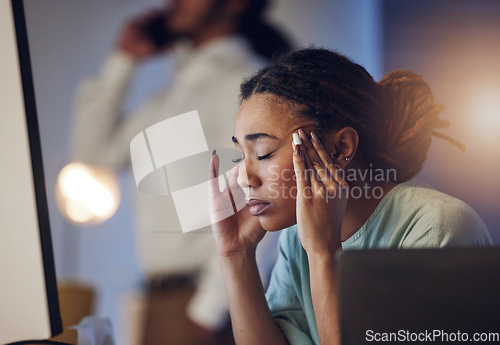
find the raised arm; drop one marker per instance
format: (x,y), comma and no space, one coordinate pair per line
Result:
(100,135)
(97,137)
(236,239)
(321,202)
(251,319)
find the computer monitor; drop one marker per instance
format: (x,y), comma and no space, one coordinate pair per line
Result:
(29,307)
(419,295)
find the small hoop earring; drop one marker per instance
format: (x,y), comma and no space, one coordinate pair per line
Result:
(347,159)
(334,156)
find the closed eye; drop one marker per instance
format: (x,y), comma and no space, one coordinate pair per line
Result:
(238,160)
(265,156)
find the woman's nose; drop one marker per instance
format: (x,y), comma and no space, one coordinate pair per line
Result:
(247,176)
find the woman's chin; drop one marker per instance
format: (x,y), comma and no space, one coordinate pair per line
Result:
(272,224)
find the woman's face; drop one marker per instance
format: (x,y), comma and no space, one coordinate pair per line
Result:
(188,17)
(263,136)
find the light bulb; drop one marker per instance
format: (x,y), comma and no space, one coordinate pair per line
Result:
(87,195)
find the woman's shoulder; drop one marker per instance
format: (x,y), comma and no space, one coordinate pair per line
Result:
(419,196)
(436,218)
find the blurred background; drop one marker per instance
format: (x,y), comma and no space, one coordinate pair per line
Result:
(453,44)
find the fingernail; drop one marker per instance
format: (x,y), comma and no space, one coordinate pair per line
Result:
(315,138)
(214,152)
(296,139)
(296,149)
(302,134)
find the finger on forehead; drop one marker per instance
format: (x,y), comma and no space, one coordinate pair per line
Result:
(310,170)
(301,175)
(336,173)
(321,151)
(309,147)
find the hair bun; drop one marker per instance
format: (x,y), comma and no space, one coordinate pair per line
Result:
(408,105)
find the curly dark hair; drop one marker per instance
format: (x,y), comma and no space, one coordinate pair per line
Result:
(394,118)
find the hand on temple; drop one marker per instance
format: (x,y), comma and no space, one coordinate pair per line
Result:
(235,229)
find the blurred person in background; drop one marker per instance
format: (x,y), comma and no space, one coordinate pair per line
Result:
(216,44)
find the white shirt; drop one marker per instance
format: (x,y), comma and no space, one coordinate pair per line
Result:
(207,80)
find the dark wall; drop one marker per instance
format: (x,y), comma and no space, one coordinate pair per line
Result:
(455,46)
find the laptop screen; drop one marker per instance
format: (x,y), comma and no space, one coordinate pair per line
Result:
(422,295)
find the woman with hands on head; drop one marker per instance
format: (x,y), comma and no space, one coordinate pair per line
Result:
(331,155)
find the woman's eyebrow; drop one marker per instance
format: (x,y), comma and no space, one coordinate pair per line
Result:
(255,136)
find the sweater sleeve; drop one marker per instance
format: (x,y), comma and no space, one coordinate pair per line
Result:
(282,298)
(99,135)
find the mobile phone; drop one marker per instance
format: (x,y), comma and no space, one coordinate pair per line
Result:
(157,32)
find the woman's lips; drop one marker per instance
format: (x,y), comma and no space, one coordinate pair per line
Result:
(257,206)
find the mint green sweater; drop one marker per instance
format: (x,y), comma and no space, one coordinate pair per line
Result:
(411,215)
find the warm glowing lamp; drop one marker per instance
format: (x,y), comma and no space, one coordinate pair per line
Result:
(484,107)
(87,195)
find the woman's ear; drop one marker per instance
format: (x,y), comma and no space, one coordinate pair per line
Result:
(345,145)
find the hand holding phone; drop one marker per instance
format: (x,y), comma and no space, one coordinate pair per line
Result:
(156,31)
(145,35)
